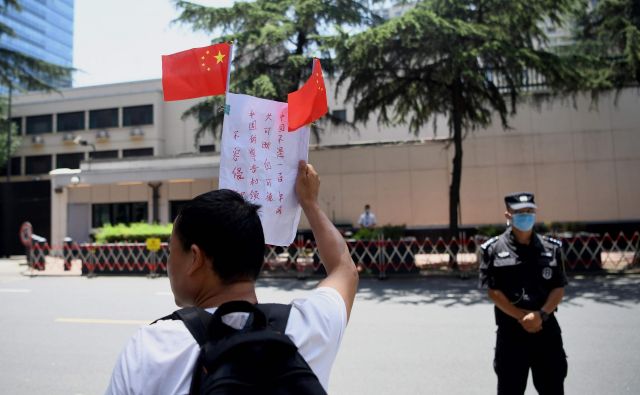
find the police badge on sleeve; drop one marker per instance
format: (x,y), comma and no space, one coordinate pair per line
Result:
(547,273)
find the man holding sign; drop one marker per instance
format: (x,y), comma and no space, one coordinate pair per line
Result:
(217,251)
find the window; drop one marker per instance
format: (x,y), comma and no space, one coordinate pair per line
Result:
(340,114)
(70,121)
(16,168)
(208,148)
(107,118)
(103,154)
(69,161)
(139,115)
(174,208)
(118,213)
(129,153)
(18,123)
(39,164)
(39,124)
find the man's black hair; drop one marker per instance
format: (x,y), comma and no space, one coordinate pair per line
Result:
(227,229)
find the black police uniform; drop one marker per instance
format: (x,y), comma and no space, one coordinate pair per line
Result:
(526,274)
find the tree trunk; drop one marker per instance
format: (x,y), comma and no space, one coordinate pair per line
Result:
(456,174)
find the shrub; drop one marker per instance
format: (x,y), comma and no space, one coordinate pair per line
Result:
(137,232)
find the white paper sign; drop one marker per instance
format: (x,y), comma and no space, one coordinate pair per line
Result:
(259,160)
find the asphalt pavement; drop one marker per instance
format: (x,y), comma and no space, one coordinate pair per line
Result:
(61,335)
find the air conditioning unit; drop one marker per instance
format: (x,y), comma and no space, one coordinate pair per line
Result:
(68,138)
(39,140)
(136,133)
(102,135)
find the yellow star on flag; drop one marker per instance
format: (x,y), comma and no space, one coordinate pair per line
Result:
(219,57)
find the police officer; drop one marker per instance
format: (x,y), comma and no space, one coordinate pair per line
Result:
(526,280)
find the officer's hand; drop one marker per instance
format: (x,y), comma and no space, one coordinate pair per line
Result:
(532,322)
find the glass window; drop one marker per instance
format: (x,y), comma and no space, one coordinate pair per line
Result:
(111,154)
(118,213)
(39,124)
(208,148)
(139,115)
(18,123)
(16,167)
(69,161)
(39,164)
(71,121)
(129,153)
(340,114)
(174,208)
(107,118)
(100,215)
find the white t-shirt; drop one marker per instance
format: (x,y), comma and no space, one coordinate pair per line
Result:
(159,358)
(367,219)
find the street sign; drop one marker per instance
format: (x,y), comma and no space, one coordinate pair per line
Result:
(153,244)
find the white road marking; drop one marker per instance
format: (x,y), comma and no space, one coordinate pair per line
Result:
(15,290)
(102,321)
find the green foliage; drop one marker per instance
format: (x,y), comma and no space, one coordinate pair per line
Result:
(22,71)
(390,232)
(4,126)
(137,232)
(609,38)
(367,234)
(491,230)
(275,40)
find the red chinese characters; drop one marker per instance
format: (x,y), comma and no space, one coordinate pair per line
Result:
(237,173)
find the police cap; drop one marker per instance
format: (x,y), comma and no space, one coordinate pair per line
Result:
(520,200)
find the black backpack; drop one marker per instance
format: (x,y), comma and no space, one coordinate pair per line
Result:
(257,359)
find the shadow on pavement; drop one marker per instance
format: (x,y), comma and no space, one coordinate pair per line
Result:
(614,290)
(450,291)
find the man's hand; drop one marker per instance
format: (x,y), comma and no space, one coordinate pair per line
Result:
(531,322)
(307,185)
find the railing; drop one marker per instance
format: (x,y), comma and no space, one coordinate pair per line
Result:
(374,257)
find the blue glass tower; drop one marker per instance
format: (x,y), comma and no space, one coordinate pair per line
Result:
(44,30)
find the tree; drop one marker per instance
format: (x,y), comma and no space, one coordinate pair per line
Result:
(274,42)
(21,72)
(465,59)
(609,34)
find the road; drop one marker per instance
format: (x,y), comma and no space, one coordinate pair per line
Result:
(61,335)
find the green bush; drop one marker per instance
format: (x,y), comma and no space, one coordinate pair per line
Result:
(393,232)
(137,232)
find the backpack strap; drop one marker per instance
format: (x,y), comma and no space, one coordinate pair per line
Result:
(277,315)
(195,319)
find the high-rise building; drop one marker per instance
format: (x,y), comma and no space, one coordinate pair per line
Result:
(44,30)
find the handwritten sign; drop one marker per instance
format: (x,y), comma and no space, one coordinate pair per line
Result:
(259,160)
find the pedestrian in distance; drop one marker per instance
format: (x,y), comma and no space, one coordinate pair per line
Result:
(525,277)
(224,340)
(367,218)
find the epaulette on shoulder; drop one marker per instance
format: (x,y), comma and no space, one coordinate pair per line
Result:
(489,242)
(551,240)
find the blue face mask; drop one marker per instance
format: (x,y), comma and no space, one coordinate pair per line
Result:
(524,222)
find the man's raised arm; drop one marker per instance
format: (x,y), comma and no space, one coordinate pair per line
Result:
(341,271)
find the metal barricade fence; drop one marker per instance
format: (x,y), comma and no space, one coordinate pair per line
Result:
(375,257)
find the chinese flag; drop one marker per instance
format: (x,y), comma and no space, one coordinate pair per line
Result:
(196,72)
(309,102)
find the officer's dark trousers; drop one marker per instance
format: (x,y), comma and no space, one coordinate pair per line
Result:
(518,351)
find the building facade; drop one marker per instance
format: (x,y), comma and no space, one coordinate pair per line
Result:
(44,30)
(140,162)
